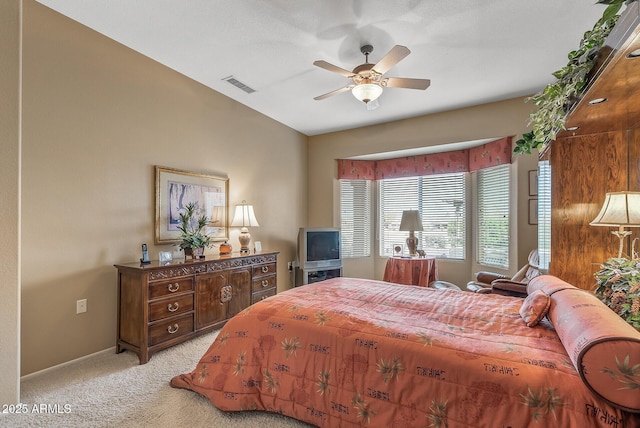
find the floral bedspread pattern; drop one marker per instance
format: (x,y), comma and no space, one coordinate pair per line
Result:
(351,352)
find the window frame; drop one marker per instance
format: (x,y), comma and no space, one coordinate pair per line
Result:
(362,226)
(495,183)
(429,201)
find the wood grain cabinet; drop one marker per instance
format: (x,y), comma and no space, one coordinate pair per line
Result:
(599,152)
(162,305)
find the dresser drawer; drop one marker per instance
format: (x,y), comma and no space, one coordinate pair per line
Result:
(170,329)
(265,269)
(263,283)
(167,288)
(171,306)
(256,297)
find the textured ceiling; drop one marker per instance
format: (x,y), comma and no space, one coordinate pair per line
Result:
(473,51)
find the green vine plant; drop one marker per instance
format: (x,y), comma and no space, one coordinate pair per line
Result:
(556,99)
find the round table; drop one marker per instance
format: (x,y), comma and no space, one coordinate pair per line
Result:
(411,271)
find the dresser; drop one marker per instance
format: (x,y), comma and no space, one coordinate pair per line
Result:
(161,305)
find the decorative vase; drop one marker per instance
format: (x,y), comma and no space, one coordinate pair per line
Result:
(188,253)
(225,249)
(193,253)
(198,253)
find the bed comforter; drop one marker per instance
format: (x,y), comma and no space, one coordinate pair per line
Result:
(353,352)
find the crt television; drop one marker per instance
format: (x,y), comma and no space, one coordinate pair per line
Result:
(319,247)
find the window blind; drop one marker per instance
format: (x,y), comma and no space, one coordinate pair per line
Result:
(493,217)
(544,214)
(355,218)
(440,199)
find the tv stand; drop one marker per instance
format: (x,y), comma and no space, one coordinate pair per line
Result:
(309,276)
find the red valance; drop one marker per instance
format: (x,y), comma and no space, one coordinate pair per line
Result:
(495,153)
(357,169)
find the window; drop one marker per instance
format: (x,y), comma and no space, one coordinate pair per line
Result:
(441,202)
(355,218)
(544,214)
(493,217)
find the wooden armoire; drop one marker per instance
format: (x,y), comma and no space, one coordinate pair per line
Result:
(602,155)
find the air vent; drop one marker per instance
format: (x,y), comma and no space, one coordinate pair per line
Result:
(238,84)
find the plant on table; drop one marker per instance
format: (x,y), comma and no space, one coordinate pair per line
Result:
(192,234)
(618,286)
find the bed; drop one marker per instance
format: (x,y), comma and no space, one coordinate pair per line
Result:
(350,352)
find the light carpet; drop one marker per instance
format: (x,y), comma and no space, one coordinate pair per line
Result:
(109,389)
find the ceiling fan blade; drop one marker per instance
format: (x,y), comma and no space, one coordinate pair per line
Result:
(392,57)
(403,82)
(334,68)
(337,91)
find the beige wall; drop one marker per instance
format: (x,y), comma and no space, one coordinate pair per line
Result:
(10,33)
(97,118)
(495,120)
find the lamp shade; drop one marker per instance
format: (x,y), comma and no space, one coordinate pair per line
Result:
(244,216)
(367,92)
(411,221)
(619,209)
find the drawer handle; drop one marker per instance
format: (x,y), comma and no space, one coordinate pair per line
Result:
(174,287)
(263,297)
(173,307)
(265,282)
(265,269)
(226,294)
(174,329)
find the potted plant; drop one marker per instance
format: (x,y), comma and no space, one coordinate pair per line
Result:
(192,236)
(618,286)
(556,100)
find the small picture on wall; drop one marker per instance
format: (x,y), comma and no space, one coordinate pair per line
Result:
(533,182)
(533,211)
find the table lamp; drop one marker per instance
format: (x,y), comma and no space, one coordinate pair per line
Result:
(244,217)
(410,223)
(620,209)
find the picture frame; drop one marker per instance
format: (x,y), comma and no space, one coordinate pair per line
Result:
(533,211)
(176,188)
(165,257)
(257,247)
(398,250)
(533,182)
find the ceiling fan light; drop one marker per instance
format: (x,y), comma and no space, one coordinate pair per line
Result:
(367,92)
(372,105)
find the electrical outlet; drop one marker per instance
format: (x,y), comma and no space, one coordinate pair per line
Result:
(81,306)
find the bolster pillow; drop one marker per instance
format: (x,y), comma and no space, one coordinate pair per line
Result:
(603,348)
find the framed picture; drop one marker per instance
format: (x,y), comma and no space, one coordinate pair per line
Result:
(533,211)
(533,182)
(165,257)
(175,189)
(398,250)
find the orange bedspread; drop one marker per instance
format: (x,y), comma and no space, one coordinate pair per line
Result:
(351,352)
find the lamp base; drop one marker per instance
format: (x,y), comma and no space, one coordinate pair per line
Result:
(244,238)
(621,234)
(412,244)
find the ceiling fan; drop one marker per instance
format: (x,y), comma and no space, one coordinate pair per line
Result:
(368,80)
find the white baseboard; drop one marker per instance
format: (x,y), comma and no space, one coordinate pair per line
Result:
(40,372)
